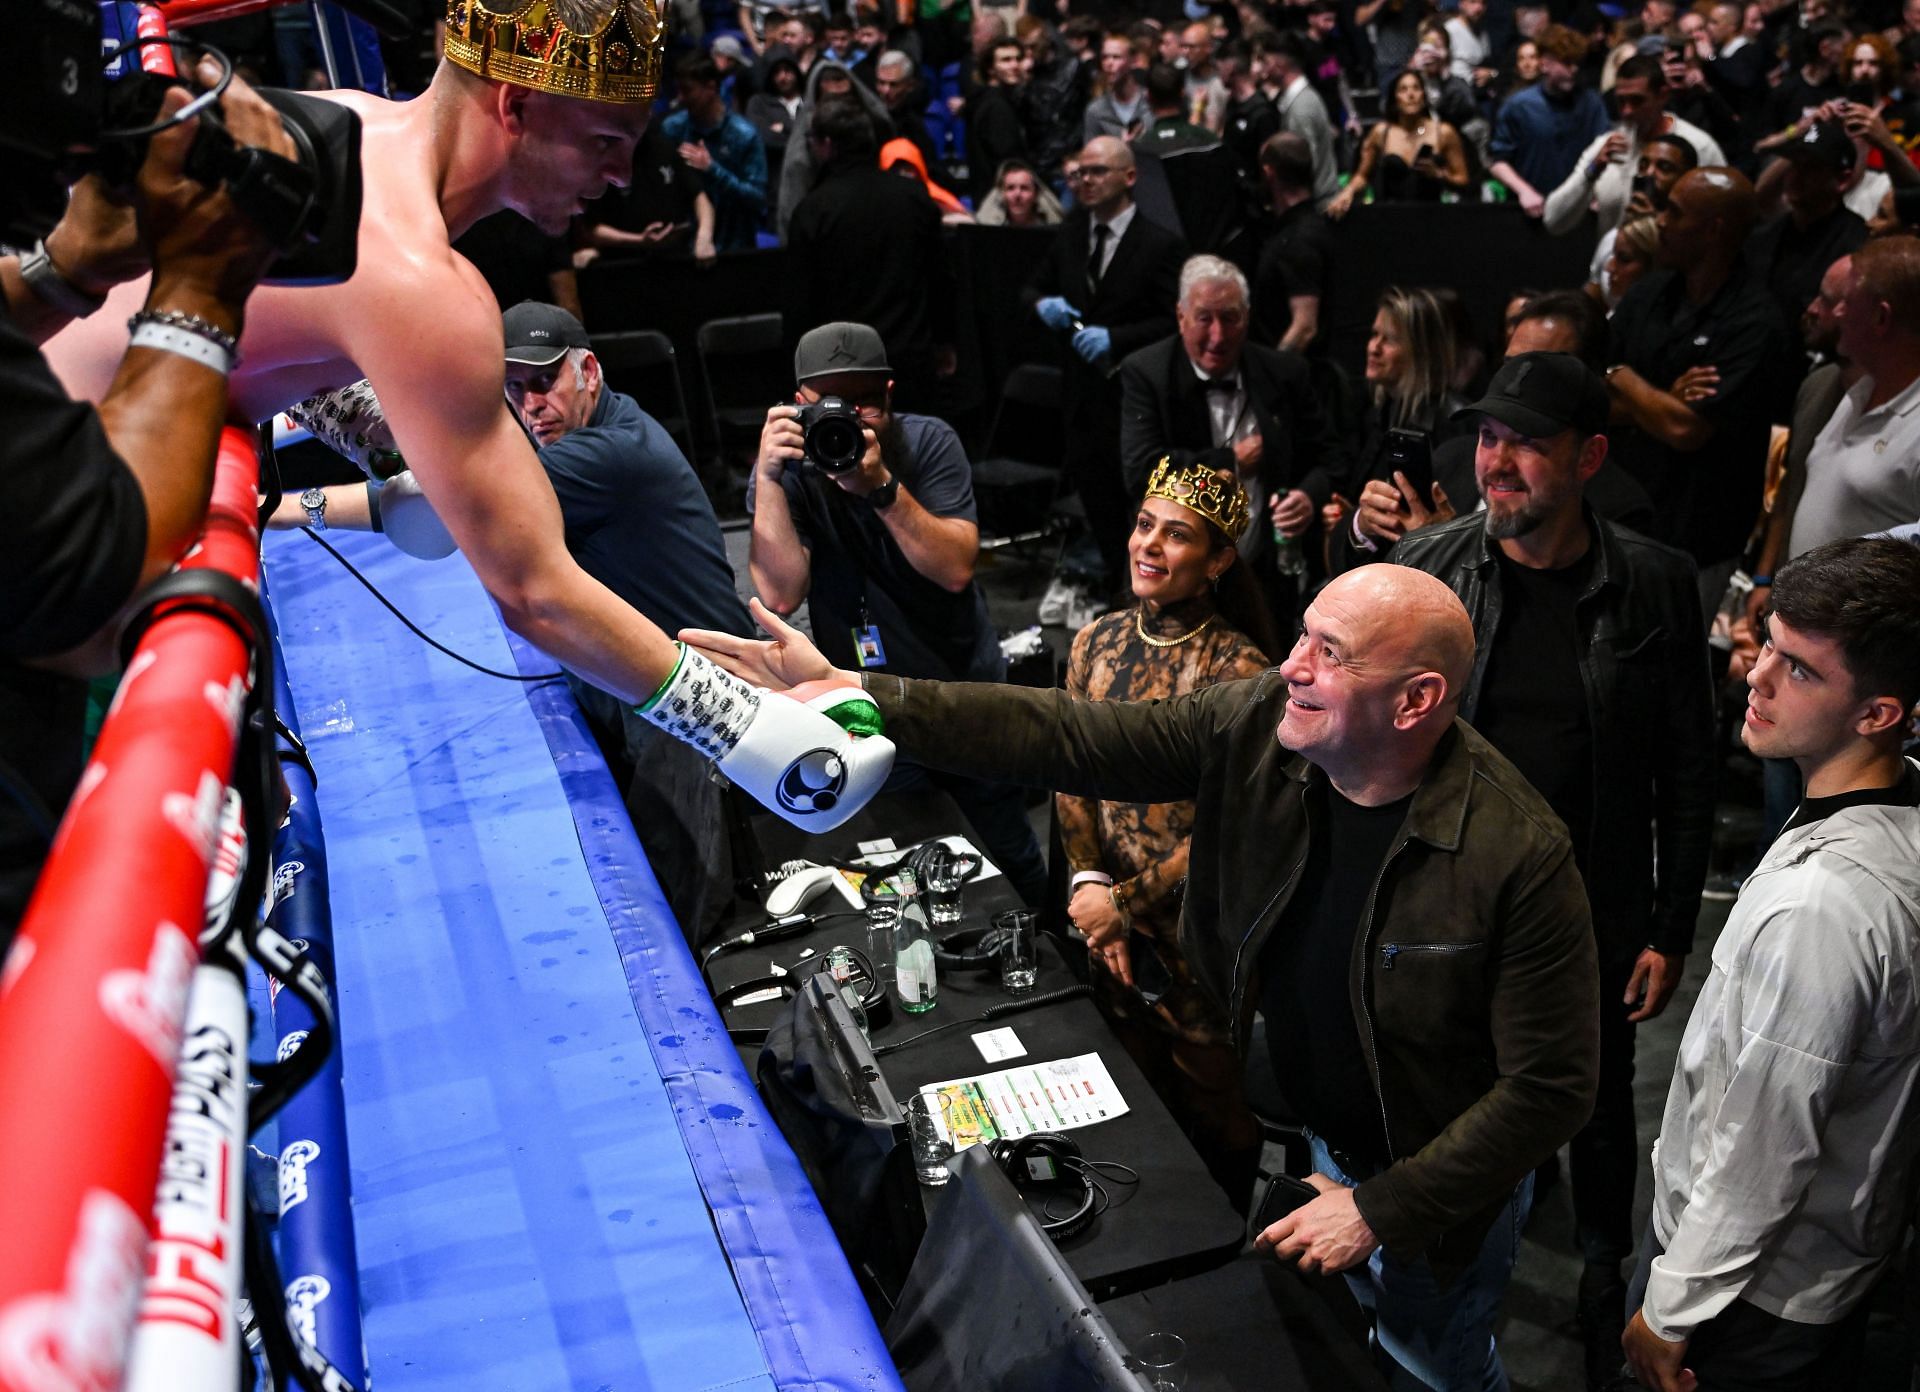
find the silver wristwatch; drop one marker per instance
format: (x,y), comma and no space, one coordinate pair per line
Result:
(54,289)
(315,502)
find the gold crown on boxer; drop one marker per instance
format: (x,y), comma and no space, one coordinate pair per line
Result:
(603,50)
(1221,501)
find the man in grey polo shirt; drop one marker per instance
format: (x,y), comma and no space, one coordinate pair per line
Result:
(1863,474)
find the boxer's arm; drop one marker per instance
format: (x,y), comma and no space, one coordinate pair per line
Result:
(444,403)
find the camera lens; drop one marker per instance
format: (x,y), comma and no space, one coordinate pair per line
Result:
(834,441)
(835,445)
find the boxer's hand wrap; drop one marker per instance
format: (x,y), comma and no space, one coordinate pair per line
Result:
(703,705)
(790,756)
(349,421)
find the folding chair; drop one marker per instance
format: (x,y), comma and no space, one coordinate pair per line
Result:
(642,363)
(1019,477)
(744,369)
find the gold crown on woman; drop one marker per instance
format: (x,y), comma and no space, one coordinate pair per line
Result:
(603,50)
(1220,500)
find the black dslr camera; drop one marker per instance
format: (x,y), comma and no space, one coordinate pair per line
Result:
(834,441)
(66,111)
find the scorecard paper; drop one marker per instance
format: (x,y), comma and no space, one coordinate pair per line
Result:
(1056,1096)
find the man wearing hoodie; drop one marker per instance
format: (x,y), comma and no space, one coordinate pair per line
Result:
(800,170)
(1783,1176)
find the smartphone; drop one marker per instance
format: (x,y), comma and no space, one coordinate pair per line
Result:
(1410,452)
(1283,1196)
(1861,94)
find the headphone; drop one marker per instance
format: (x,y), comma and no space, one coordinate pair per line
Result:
(871,993)
(786,986)
(970,950)
(1048,1163)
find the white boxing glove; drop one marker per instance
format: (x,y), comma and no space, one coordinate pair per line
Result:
(794,759)
(408,519)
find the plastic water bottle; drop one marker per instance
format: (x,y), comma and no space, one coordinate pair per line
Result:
(1288,558)
(914,974)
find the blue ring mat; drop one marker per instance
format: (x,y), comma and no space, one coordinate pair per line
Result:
(562,1175)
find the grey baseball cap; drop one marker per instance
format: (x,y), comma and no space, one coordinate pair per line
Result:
(836,348)
(538,334)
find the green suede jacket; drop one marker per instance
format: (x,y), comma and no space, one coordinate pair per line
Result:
(1474,983)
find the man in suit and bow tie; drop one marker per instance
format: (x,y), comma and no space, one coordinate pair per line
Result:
(1205,395)
(1110,280)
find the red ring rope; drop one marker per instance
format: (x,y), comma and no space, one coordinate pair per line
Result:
(93,995)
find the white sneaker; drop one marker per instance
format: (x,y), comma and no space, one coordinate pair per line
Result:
(1053,604)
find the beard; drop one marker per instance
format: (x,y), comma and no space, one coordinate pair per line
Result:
(1508,520)
(893,445)
(1516,521)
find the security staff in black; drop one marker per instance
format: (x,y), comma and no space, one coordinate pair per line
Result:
(1590,675)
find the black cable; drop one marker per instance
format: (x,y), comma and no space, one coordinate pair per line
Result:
(196,50)
(992,1012)
(1102,1200)
(288,1353)
(419,632)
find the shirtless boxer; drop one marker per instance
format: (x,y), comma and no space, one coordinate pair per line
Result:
(524,114)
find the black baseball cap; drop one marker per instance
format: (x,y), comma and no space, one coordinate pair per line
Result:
(538,334)
(836,348)
(1542,394)
(1824,142)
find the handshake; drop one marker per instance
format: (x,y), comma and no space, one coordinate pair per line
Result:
(813,754)
(1090,341)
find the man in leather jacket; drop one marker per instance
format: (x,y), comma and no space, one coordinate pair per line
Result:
(1591,675)
(1390,893)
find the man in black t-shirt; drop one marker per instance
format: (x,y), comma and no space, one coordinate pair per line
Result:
(1294,279)
(1591,676)
(882,553)
(1703,461)
(1792,252)
(663,211)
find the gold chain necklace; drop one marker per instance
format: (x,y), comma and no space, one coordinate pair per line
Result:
(1140,627)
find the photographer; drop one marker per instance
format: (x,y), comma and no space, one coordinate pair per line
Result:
(881,547)
(105,502)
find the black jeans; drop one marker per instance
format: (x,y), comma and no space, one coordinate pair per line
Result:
(1605,1157)
(1745,1349)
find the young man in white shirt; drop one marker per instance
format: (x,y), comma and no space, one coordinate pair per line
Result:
(1783,1176)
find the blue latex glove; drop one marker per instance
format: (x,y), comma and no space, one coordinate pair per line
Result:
(1056,313)
(1093,343)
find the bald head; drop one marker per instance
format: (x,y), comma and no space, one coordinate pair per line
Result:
(1724,192)
(1104,179)
(1106,149)
(1375,678)
(1709,214)
(1414,622)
